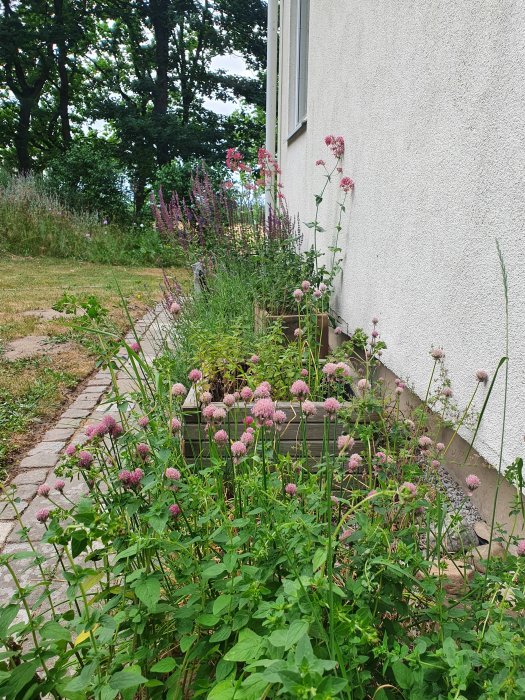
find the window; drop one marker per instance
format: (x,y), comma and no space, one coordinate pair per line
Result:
(300,18)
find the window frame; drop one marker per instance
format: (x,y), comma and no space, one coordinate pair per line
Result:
(299,50)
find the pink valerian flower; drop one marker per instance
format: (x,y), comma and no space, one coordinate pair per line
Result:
(520,549)
(175,308)
(482,376)
(233,159)
(143,450)
(437,353)
(44,490)
(175,510)
(279,417)
(298,294)
(336,144)
(135,347)
(178,389)
(247,438)
(300,389)
(195,375)
(207,413)
(263,410)
(331,406)
(227,185)
(172,473)
(206,397)
(305,285)
(345,442)
(219,415)
(238,449)
(309,408)
(263,391)
(347,184)
(410,487)
(290,489)
(221,438)
(70,449)
(85,459)
(320,162)
(254,359)
(59,485)
(473,482)
(424,441)
(143,421)
(228,400)
(42,515)
(246,394)
(176,425)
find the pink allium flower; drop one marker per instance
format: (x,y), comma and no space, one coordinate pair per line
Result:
(334,500)
(437,353)
(298,295)
(175,425)
(238,449)
(143,450)
(206,397)
(410,424)
(375,320)
(100,430)
(279,417)
(174,510)
(90,430)
(221,438)
(228,400)
(124,476)
(309,408)
(298,332)
(237,395)
(363,385)
(290,489)
(440,446)
(305,285)
(246,394)
(322,287)
(482,376)
(424,441)
(42,515)
(331,406)
(116,431)
(207,413)
(304,372)
(320,162)
(175,308)
(263,391)
(345,442)
(399,390)
(347,184)
(247,438)
(43,490)
(109,422)
(409,486)
(85,459)
(374,334)
(263,410)
(354,462)
(178,389)
(473,482)
(447,392)
(254,359)
(172,473)
(329,369)
(59,485)
(300,389)
(143,421)
(268,423)
(134,346)
(70,449)
(338,330)
(381,456)
(317,294)
(136,477)
(219,415)
(248,421)
(343,369)
(435,463)
(521,548)
(195,375)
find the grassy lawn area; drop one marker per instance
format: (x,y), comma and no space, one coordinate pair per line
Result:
(33,389)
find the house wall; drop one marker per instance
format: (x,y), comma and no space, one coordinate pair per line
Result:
(430,98)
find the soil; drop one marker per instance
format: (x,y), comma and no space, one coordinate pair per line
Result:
(51,314)
(32,346)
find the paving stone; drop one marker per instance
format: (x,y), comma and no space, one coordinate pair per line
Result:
(31,476)
(76,413)
(68,423)
(7,512)
(56,434)
(51,446)
(5,529)
(94,389)
(25,492)
(42,459)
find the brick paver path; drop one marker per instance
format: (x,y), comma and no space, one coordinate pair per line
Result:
(39,464)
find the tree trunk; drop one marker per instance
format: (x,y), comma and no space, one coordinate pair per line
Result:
(63,89)
(25,107)
(159,15)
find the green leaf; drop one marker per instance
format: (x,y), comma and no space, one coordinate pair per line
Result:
(213,571)
(289,636)
(186,642)
(208,620)
(249,647)
(402,674)
(148,591)
(7,615)
(225,690)
(319,558)
(166,665)
(221,634)
(129,678)
(221,603)
(55,631)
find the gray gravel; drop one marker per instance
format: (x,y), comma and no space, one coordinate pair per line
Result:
(442,480)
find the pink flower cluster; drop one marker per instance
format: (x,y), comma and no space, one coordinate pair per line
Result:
(336,144)
(300,389)
(334,370)
(130,478)
(263,410)
(347,184)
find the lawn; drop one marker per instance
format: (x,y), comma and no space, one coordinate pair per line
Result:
(32,390)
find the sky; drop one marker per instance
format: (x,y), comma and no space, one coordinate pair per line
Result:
(234,65)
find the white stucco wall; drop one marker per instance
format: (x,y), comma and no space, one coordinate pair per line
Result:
(430,98)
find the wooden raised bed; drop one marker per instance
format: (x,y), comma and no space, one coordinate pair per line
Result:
(290,432)
(291,323)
